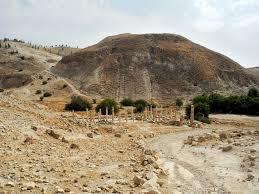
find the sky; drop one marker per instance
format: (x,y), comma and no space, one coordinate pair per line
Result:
(230,27)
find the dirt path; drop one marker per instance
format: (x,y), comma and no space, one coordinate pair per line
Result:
(183,175)
(204,169)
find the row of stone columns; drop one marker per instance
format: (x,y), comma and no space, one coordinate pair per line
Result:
(149,114)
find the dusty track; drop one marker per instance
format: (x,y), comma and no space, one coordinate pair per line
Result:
(205,168)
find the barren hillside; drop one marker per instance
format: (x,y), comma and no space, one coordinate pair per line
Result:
(254,71)
(152,66)
(20,63)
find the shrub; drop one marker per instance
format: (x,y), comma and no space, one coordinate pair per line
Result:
(201,111)
(1,89)
(44,82)
(217,103)
(94,101)
(41,98)
(140,105)
(38,92)
(201,98)
(179,102)
(47,94)
(78,104)
(40,77)
(127,102)
(107,103)
(65,85)
(253,93)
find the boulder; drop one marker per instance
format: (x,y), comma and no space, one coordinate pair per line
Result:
(30,185)
(34,128)
(74,146)
(64,140)
(151,191)
(59,191)
(138,181)
(251,157)
(10,184)
(28,140)
(250,177)
(117,135)
(227,148)
(53,134)
(90,135)
(223,136)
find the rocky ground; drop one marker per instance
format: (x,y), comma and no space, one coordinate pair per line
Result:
(46,151)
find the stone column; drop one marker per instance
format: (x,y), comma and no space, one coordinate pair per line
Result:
(112,114)
(99,114)
(126,116)
(145,114)
(181,120)
(192,116)
(132,114)
(156,115)
(91,119)
(151,112)
(106,111)
(87,114)
(93,116)
(119,118)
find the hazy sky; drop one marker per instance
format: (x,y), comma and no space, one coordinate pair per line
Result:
(227,26)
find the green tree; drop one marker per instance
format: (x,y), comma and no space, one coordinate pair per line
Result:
(216,103)
(127,102)
(140,105)
(107,103)
(253,92)
(201,98)
(179,102)
(78,104)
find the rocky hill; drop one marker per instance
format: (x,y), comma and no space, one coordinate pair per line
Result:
(254,71)
(19,63)
(156,67)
